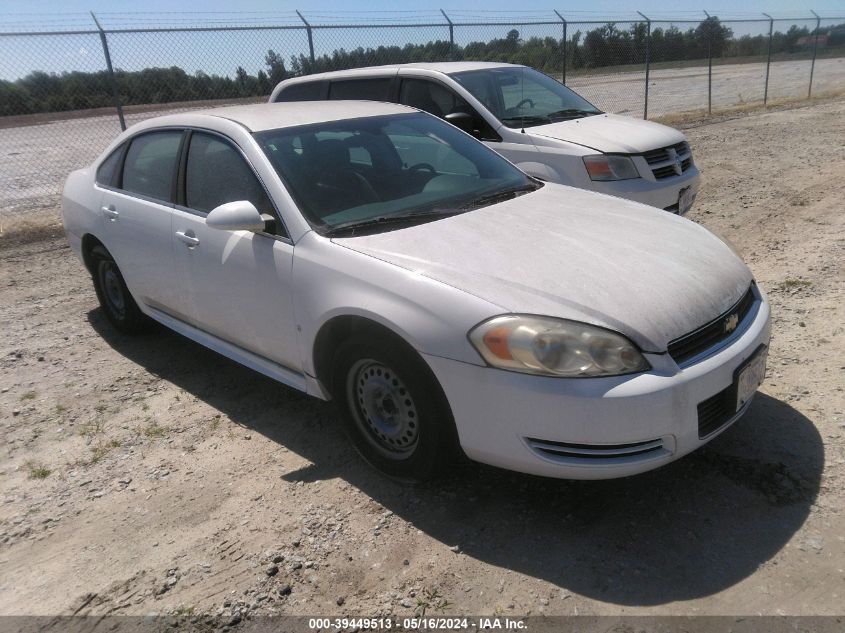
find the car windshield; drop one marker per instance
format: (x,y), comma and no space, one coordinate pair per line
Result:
(379,173)
(523,97)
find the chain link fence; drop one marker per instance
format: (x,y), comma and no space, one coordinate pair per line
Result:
(66,92)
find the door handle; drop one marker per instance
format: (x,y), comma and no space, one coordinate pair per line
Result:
(110,212)
(190,240)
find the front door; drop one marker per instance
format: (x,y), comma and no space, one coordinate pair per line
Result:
(235,285)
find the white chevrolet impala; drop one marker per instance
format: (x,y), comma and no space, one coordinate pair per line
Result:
(379,257)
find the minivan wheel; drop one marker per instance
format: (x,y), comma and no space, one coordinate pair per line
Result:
(394,410)
(115,299)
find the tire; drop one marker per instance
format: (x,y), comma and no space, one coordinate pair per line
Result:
(115,299)
(394,410)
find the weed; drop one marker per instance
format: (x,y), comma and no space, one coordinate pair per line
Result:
(37,471)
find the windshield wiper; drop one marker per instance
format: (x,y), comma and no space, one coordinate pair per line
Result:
(572,113)
(386,220)
(498,196)
(528,119)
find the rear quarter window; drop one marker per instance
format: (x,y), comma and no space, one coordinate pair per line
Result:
(366,89)
(307,91)
(107,171)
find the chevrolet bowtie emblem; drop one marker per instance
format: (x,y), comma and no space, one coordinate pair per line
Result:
(731,322)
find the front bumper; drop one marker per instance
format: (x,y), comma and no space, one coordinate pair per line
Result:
(613,427)
(662,194)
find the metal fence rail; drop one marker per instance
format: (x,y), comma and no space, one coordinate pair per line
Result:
(68,86)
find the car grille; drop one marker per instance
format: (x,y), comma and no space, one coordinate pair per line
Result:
(666,161)
(716,411)
(705,337)
(565,451)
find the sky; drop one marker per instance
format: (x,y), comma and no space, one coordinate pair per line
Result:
(656,7)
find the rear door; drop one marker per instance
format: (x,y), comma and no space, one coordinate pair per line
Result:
(235,285)
(137,209)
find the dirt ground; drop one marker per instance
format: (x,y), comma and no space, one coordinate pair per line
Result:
(148,474)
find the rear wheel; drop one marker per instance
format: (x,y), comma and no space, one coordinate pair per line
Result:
(115,299)
(394,410)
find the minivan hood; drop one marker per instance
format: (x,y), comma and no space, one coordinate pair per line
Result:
(570,253)
(609,133)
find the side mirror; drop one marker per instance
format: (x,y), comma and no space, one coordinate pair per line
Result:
(462,120)
(240,215)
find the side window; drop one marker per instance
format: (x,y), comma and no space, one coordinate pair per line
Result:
(307,91)
(216,173)
(150,165)
(367,89)
(439,100)
(431,97)
(107,171)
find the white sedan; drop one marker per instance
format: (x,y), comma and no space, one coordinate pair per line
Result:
(379,257)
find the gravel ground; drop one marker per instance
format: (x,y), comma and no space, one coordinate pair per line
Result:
(148,474)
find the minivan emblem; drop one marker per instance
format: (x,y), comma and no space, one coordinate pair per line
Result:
(731,322)
(679,166)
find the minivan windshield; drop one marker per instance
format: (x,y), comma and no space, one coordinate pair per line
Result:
(522,97)
(380,173)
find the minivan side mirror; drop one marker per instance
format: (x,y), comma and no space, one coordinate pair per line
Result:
(463,121)
(240,215)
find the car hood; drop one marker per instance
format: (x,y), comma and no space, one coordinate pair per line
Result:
(570,253)
(609,133)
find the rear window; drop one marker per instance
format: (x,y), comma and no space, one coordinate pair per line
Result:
(366,89)
(308,91)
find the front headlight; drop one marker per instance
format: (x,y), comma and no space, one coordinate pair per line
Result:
(605,167)
(555,347)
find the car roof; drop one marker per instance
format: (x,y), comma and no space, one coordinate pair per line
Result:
(438,67)
(269,116)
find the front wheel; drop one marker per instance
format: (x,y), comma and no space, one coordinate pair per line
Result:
(394,410)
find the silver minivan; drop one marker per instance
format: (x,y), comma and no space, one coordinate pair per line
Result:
(540,125)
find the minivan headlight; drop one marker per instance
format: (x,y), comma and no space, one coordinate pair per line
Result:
(555,347)
(604,167)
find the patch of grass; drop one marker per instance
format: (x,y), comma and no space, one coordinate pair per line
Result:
(37,471)
(432,599)
(100,407)
(91,429)
(29,395)
(215,422)
(154,430)
(792,284)
(60,409)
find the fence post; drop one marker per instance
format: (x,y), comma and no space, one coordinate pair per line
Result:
(709,67)
(310,36)
(768,59)
(451,35)
(815,48)
(112,81)
(647,55)
(562,19)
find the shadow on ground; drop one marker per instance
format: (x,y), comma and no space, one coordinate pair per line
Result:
(687,530)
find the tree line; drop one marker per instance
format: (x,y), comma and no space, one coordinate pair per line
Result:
(606,45)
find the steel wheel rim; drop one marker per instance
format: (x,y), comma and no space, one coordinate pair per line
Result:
(112,289)
(383,409)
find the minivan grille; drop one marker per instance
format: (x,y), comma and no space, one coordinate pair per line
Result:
(712,333)
(664,161)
